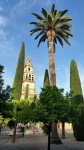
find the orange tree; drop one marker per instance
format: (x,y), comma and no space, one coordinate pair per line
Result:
(48,112)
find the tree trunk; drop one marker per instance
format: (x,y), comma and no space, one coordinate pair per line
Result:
(50,35)
(63,130)
(49,139)
(23,130)
(54,136)
(51,61)
(14,134)
(0,130)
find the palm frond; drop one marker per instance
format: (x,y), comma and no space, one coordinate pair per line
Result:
(39,24)
(35,23)
(42,32)
(60,40)
(42,39)
(44,12)
(65,19)
(66,40)
(63,12)
(55,12)
(62,20)
(52,10)
(55,40)
(49,19)
(67,32)
(60,13)
(37,16)
(35,30)
(54,47)
(64,24)
(63,32)
(62,35)
(56,21)
(44,21)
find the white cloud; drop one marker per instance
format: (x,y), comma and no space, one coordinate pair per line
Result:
(3,21)
(22,6)
(1,9)
(2,33)
(3,41)
(48,2)
(6,44)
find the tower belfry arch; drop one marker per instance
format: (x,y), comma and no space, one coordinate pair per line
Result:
(28,79)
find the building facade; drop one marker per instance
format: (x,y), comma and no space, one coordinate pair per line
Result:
(28,79)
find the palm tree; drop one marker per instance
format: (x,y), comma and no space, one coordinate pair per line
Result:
(54,27)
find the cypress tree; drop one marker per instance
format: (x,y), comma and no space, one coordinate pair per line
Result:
(77,100)
(26,92)
(17,84)
(46,81)
(75,84)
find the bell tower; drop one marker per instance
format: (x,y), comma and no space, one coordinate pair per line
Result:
(28,78)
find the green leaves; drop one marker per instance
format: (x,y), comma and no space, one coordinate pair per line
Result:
(52,10)
(42,39)
(60,40)
(35,30)
(18,79)
(53,106)
(39,35)
(44,12)
(75,84)
(5,96)
(60,13)
(37,16)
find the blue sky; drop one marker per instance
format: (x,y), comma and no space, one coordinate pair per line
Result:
(15,16)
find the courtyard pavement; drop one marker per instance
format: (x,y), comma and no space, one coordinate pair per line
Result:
(38,141)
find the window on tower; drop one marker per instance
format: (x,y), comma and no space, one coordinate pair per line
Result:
(28,69)
(32,78)
(26,76)
(29,77)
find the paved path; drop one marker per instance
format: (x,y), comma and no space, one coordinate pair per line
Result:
(38,142)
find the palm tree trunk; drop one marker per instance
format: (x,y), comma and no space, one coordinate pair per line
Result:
(54,136)
(51,62)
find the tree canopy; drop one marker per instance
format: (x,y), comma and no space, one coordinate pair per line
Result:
(75,84)
(54,23)
(18,79)
(5,96)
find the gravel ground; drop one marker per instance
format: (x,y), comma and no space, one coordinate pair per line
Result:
(38,141)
